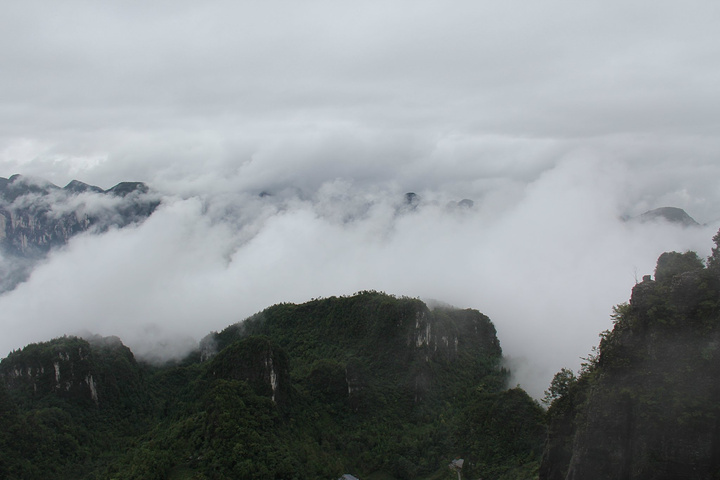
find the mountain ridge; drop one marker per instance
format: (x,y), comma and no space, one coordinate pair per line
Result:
(372,384)
(37,216)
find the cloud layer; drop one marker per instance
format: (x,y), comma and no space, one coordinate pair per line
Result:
(556,119)
(546,264)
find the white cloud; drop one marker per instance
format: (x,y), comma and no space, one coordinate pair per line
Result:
(556,118)
(547,269)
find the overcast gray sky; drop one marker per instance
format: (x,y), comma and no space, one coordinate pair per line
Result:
(555,117)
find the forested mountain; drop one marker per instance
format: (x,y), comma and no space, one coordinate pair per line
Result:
(373,385)
(647,404)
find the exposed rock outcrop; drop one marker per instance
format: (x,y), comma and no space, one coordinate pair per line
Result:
(259,363)
(402,337)
(74,369)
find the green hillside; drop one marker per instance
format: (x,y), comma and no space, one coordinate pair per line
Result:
(373,385)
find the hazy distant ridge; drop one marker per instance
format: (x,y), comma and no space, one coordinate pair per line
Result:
(37,216)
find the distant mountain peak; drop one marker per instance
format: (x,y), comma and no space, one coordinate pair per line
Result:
(670,215)
(77,186)
(19,185)
(125,188)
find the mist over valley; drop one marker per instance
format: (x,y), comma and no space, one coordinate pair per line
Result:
(308,187)
(547,267)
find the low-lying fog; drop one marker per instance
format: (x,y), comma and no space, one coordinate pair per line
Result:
(283,137)
(546,258)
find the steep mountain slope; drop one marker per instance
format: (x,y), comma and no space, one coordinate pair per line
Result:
(378,386)
(648,404)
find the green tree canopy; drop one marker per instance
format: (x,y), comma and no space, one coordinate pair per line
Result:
(670,264)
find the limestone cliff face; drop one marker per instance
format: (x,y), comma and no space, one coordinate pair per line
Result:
(650,406)
(444,333)
(72,368)
(448,337)
(64,369)
(36,215)
(258,362)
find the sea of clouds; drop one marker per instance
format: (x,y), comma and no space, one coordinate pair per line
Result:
(545,256)
(282,138)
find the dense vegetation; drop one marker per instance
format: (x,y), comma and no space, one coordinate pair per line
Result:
(647,403)
(372,385)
